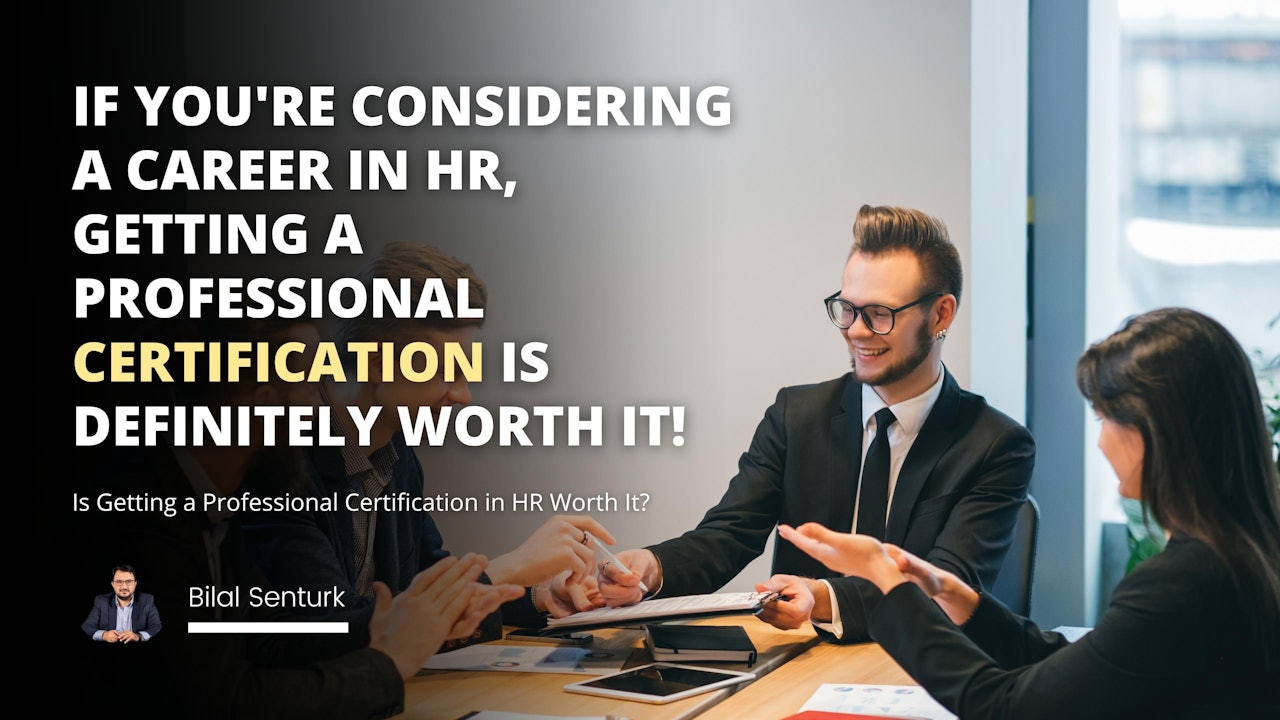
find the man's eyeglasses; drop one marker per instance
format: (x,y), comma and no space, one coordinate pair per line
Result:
(123,583)
(879,319)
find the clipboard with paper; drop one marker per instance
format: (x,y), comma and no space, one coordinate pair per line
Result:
(675,608)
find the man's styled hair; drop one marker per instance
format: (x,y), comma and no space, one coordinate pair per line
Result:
(886,229)
(124,568)
(417,264)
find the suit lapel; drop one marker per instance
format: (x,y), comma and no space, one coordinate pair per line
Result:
(845,459)
(936,435)
(109,617)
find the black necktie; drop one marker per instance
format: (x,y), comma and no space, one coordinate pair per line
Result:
(873,495)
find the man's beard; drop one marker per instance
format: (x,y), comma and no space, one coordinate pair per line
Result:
(901,369)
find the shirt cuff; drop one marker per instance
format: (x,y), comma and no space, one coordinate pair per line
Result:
(144,635)
(98,635)
(835,627)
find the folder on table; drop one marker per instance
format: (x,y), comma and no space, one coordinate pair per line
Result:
(698,643)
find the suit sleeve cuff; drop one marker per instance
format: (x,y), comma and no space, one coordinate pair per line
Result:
(653,591)
(988,617)
(835,626)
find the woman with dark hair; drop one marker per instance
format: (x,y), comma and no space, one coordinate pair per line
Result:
(1191,632)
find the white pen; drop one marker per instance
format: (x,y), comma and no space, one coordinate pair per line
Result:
(618,563)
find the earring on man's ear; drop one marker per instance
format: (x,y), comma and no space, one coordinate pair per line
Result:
(941,334)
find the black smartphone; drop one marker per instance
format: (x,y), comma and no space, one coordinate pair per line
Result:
(531,635)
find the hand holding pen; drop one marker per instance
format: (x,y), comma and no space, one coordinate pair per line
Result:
(626,577)
(612,560)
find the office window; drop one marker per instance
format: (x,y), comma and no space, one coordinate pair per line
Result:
(1195,218)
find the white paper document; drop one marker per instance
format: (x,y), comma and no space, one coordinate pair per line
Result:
(667,608)
(898,701)
(520,658)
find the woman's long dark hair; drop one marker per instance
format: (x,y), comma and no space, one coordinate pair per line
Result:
(1186,385)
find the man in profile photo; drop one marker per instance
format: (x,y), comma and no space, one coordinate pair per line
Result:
(123,615)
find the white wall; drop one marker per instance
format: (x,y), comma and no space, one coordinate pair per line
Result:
(669,266)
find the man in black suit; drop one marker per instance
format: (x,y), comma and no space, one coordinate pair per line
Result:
(123,615)
(946,485)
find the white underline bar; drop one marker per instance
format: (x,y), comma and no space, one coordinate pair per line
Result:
(259,628)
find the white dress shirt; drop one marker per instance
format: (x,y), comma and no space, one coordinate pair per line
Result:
(910,414)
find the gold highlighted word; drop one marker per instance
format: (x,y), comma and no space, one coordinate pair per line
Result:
(294,362)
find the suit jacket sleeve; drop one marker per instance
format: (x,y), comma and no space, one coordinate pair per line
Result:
(293,550)
(94,622)
(522,612)
(981,509)
(1159,644)
(150,620)
(734,532)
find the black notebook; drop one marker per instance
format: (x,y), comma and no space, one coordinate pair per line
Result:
(695,643)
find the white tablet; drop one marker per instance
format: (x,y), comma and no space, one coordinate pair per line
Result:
(659,682)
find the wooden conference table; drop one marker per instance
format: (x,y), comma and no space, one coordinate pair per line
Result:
(791,666)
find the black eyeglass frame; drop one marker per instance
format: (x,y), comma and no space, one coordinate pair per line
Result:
(834,298)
